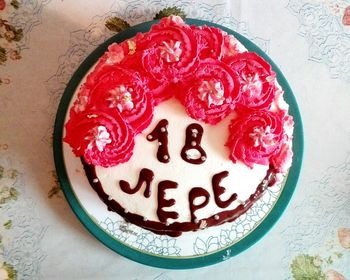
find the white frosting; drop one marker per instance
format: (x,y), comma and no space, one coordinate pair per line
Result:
(241,180)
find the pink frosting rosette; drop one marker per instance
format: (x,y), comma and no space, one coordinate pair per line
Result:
(283,159)
(257,79)
(231,47)
(123,54)
(169,21)
(132,52)
(106,63)
(210,41)
(212,92)
(124,91)
(157,88)
(102,138)
(256,137)
(170,51)
(82,100)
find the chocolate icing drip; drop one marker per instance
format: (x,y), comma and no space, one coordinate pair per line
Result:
(176,228)
(195,193)
(160,133)
(163,202)
(194,133)
(146,176)
(219,190)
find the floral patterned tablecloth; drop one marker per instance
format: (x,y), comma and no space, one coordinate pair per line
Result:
(42,42)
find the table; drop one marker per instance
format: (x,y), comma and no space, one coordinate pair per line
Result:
(42,42)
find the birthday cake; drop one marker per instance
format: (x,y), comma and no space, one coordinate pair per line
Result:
(180,128)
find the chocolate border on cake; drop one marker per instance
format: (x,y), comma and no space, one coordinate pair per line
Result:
(176,228)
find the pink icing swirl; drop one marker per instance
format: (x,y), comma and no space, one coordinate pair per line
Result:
(170,51)
(124,90)
(231,47)
(124,55)
(133,61)
(282,161)
(210,41)
(102,138)
(257,79)
(212,92)
(256,137)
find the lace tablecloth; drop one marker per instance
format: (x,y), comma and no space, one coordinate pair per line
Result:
(42,43)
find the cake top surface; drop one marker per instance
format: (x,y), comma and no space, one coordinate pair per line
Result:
(164,99)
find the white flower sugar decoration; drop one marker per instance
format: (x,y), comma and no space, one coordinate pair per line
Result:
(171,51)
(98,136)
(211,92)
(121,98)
(252,85)
(262,137)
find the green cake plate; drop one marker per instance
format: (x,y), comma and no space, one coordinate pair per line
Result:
(191,250)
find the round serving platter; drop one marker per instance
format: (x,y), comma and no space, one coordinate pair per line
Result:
(190,250)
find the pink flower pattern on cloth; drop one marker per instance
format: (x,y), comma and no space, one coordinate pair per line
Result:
(206,69)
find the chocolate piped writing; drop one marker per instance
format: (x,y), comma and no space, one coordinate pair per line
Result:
(160,133)
(163,202)
(194,133)
(219,190)
(176,228)
(197,193)
(146,176)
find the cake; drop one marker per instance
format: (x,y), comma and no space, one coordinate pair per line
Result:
(180,128)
